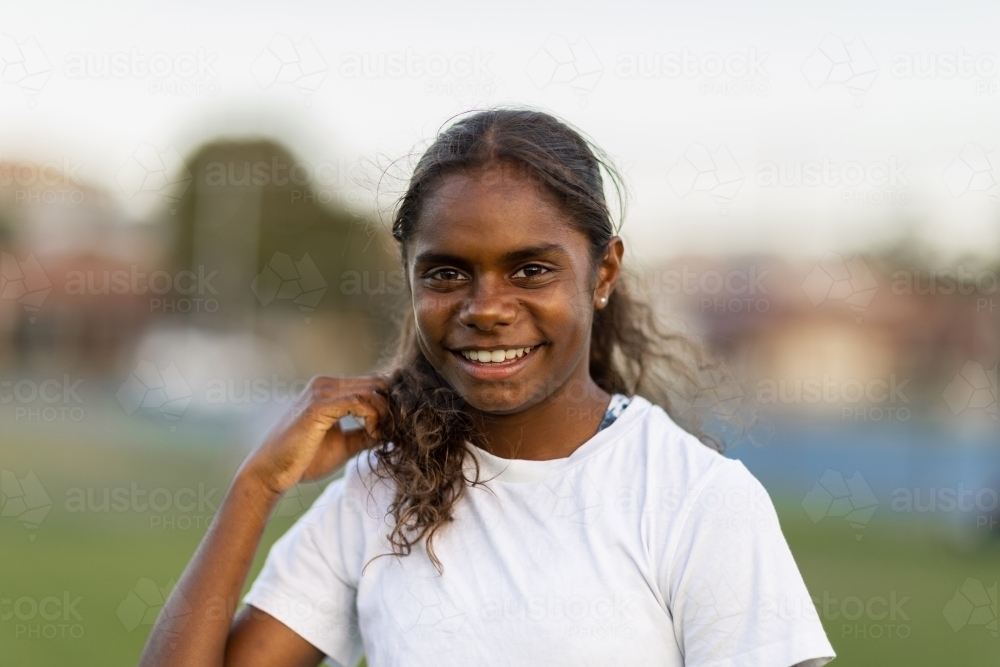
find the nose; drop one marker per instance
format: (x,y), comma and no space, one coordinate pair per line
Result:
(488,305)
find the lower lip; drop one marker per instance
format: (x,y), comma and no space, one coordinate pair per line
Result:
(498,370)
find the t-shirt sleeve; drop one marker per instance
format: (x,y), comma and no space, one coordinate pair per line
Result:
(305,582)
(732,587)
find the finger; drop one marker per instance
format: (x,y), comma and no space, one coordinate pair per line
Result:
(366,404)
(330,389)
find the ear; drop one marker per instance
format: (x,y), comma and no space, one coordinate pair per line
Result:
(608,269)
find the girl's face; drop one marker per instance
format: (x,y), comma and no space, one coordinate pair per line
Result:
(504,290)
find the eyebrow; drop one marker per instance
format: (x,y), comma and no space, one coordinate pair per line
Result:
(511,257)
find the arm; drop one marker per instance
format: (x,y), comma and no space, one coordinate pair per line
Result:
(195,627)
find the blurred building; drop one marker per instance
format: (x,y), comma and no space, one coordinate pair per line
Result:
(247,242)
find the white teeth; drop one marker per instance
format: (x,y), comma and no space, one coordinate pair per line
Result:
(495,356)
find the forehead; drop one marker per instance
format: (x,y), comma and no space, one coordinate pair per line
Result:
(498,208)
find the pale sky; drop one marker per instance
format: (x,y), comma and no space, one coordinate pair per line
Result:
(782,127)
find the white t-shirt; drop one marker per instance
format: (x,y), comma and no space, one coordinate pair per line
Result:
(644,547)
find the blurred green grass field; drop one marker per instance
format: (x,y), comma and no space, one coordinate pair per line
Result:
(98,558)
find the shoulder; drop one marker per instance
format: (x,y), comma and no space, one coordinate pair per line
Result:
(672,452)
(682,473)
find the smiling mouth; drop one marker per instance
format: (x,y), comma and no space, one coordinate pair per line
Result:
(496,357)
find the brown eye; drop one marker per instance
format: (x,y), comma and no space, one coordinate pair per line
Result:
(446,275)
(531,271)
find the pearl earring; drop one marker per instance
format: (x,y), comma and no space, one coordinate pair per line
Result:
(604,300)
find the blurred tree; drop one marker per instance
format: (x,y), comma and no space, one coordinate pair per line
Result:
(271,232)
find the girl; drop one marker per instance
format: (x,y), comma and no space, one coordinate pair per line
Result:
(516,496)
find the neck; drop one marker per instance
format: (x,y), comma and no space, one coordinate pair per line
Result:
(553,429)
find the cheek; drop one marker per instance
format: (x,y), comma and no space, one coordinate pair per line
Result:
(431,312)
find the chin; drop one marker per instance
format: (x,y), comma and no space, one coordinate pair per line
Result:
(497,400)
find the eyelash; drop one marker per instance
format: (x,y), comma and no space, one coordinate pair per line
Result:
(533,266)
(437,275)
